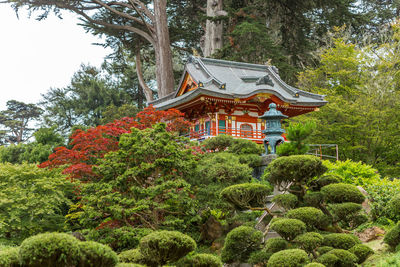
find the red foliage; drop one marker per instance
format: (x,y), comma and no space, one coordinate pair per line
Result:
(94,143)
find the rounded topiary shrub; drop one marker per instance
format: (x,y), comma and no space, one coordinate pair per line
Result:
(313,218)
(240,243)
(345,211)
(131,256)
(315,264)
(50,249)
(297,169)
(288,258)
(325,180)
(309,241)
(245,196)
(166,246)
(341,241)
(123,264)
(392,238)
(345,258)
(9,257)
(288,228)
(340,193)
(275,244)
(362,252)
(218,143)
(313,199)
(286,201)
(324,249)
(259,258)
(329,260)
(203,260)
(96,254)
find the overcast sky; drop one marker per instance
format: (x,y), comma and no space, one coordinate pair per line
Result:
(37,55)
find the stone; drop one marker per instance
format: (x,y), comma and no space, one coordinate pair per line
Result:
(211,229)
(366,204)
(370,234)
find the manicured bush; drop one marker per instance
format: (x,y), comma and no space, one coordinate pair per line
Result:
(259,258)
(243,146)
(286,201)
(218,143)
(50,249)
(362,252)
(345,211)
(289,228)
(275,244)
(96,254)
(313,199)
(240,243)
(123,264)
(203,260)
(315,264)
(244,196)
(166,246)
(392,238)
(325,180)
(313,218)
(324,249)
(341,241)
(9,257)
(329,260)
(309,241)
(131,256)
(346,258)
(340,193)
(288,258)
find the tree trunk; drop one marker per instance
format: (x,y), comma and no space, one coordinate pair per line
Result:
(214,29)
(164,71)
(146,90)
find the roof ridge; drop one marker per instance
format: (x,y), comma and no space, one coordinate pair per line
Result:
(232,63)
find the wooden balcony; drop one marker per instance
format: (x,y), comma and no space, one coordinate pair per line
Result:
(254,135)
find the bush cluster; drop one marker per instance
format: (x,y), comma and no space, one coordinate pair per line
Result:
(203,260)
(275,244)
(286,201)
(341,241)
(344,257)
(288,228)
(9,257)
(309,241)
(362,252)
(289,258)
(244,196)
(313,218)
(392,238)
(340,193)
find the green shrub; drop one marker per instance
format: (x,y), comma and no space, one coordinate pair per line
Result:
(346,258)
(288,228)
(324,249)
(166,246)
(340,193)
(218,143)
(362,252)
(315,264)
(123,264)
(313,199)
(325,180)
(309,241)
(9,257)
(345,211)
(313,218)
(286,201)
(341,241)
(244,196)
(203,260)
(394,206)
(240,243)
(298,169)
(243,146)
(96,254)
(131,256)
(50,249)
(259,258)
(329,260)
(275,244)
(392,238)
(253,160)
(288,258)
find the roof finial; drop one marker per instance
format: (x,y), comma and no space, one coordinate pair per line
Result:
(268,62)
(195,52)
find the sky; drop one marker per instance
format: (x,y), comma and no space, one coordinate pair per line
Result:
(37,55)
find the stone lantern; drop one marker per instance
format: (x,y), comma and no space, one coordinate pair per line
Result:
(273,131)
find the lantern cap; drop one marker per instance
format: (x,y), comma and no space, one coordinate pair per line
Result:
(273,113)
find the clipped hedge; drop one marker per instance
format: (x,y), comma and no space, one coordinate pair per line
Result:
(259,258)
(289,258)
(203,260)
(324,249)
(341,241)
(218,143)
(166,246)
(288,228)
(244,196)
(329,260)
(315,264)
(9,257)
(326,180)
(275,244)
(346,211)
(96,254)
(131,256)
(286,201)
(313,218)
(392,238)
(50,249)
(309,241)
(123,264)
(345,258)
(313,199)
(240,243)
(340,193)
(362,252)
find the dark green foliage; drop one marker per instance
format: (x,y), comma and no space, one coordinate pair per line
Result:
(329,260)
(313,218)
(314,264)
(202,260)
(298,135)
(340,193)
(289,228)
(240,243)
(123,264)
(324,249)
(259,258)
(253,160)
(96,254)
(298,169)
(286,201)
(243,146)
(245,196)
(309,241)
(218,143)
(50,249)
(345,212)
(325,180)
(394,207)
(362,252)
(289,258)
(341,241)
(135,256)
(9,257)
(346,259)
(275,244)
(313,199)
(392,238)
(166,246)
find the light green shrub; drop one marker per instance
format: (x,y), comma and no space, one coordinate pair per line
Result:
(275,244)
(346,258)
(123,264)
(286,201)
(329,260)
(96,254)
(362,252)
(243,146)
(392,238)
(9,257)
(394,206)
(245,196)
(315,264)
(218,143)
(288,228)
(259,258)
(131,256)
(324,249)
(309,241)
(288,258)
(325,180)
(203,260)
(340,193)
(313,218)
(341,241)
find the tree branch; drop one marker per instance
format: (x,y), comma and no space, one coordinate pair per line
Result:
(147,91)
(119,13)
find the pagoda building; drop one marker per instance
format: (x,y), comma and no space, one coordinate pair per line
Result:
(226,97)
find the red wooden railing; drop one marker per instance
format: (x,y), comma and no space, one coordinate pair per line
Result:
(235,132)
